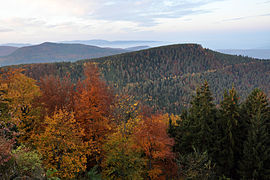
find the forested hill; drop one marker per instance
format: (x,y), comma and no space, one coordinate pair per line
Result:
(166,77)
(55,52)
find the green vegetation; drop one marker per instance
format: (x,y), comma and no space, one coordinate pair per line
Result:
(234,135)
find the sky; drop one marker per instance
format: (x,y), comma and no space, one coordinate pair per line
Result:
(215,24)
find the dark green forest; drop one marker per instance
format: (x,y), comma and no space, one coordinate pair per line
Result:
(229,140)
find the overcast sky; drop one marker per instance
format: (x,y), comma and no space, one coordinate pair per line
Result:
(212,23)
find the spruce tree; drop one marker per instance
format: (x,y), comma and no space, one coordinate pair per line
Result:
(180,134)
(254,163)
(197,127)
(228,128)
(202,118)
(198,124)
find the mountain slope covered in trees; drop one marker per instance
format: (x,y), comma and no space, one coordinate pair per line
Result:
(166,77)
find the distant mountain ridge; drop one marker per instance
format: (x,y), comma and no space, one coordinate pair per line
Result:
(137,48)
(18,45)
(55,52)
(116,44)
(166,77)
(100,42)
(136,45)
(6,50)
(255,53)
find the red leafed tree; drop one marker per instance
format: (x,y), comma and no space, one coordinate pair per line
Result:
(92,107)
(7,140)
(56,94)
(153,139)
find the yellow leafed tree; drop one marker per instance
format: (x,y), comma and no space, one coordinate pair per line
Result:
(122,158)
(18,92)
(61,145)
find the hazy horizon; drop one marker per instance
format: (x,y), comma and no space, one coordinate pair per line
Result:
(216,24)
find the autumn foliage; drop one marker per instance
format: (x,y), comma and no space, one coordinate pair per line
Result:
(61,144)
(7,141)
(19,90)
(92,109)
(69,128)
(151,136)
(56,94)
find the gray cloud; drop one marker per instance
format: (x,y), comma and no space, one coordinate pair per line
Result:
(61,25)
(244,17)
(266,2)
(236,19)
(145,12)
(5,30)
(265,14)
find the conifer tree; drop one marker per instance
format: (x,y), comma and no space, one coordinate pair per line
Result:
(197,126)
(202,119)
(180,134)
(229,120)
(256,150)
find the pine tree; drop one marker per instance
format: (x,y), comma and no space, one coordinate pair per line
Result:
(256,150)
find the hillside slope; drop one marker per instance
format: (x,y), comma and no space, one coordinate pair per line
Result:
(55,52)
(166,77)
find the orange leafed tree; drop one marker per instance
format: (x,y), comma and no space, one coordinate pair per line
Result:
(61,145)
(92,108)
(153,139)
